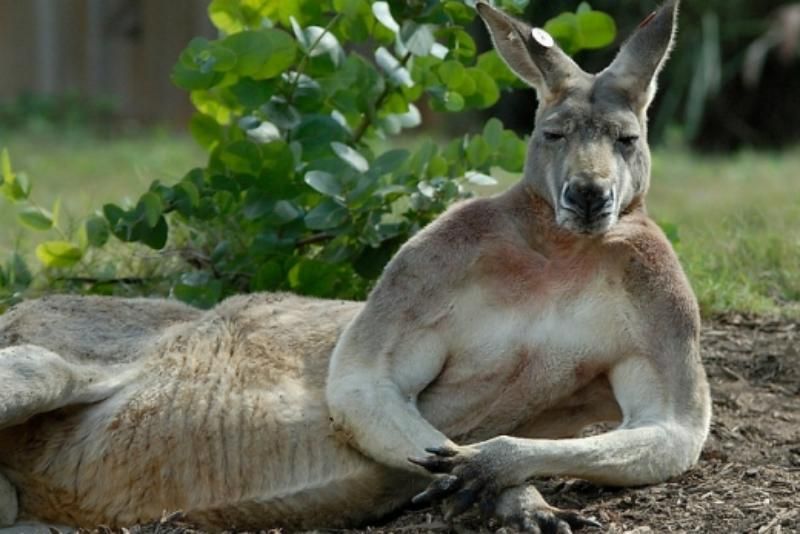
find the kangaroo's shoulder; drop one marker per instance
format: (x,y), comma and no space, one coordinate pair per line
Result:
(652,273)
(437,259)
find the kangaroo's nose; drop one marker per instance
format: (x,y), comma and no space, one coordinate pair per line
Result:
(588,199)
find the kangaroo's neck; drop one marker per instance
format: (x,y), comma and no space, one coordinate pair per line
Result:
(535,219)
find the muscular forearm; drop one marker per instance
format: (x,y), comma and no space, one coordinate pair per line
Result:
(626,457)
(381,423)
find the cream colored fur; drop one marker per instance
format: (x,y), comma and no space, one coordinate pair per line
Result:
(494,336)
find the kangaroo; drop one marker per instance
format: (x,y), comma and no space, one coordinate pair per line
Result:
(492,338)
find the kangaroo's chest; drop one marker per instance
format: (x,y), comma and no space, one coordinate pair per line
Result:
(510,362)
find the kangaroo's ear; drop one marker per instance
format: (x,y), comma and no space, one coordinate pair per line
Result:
(530,52)
(642,56)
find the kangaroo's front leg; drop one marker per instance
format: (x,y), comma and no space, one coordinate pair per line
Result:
(666,414)
(372,395)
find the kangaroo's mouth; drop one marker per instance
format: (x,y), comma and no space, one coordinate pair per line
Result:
(586,221)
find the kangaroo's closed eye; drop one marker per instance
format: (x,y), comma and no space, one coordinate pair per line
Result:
(553,135)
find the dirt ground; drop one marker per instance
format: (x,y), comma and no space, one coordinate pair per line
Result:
(748,477)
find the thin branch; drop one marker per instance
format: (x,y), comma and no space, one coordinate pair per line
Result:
(362,128)
(312,239)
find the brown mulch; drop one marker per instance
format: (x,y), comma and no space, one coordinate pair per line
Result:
(748,478)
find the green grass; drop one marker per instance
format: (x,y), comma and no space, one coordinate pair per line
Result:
(737,217)
(738,222)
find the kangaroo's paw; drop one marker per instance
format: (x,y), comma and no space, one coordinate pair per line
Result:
(523,508)
(467,475)
(8,503)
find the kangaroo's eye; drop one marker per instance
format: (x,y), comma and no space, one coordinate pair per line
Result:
(553,136)
(627,140)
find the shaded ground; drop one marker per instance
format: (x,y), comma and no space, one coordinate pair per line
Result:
(748,479)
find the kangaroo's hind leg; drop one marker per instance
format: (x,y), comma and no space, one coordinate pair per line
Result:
(34,380)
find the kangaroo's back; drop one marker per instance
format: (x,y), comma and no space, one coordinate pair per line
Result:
(224,418)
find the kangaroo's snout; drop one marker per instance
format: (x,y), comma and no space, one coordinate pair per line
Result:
(589,201)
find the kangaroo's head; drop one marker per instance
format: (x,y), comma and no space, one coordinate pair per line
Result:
(588,155)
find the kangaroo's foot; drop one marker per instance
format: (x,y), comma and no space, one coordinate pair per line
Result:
(524,508)
(8,503)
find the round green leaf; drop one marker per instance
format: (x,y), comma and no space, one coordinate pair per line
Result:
(35,218)
(56,254)
(313,277)
(478,151)
(242,157)
(453,101)
(151,207)
(517,7)
(326,215)
(155,237)
(194,69)
(227,15)
(564,29)
(205,130)
(261,54)
(452,73)
(486,91)
(491,64)
(324,182)
(596,29)
(252,93)
(350,156)
(96,231)
(459,12)
(389,161)
(493,133)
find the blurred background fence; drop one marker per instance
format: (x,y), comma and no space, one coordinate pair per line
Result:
(115,51)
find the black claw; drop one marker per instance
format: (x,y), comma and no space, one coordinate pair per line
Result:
(575,520)
(433,464)
(440,487)
(447,452)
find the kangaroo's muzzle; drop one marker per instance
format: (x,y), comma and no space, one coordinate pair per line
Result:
(588,201)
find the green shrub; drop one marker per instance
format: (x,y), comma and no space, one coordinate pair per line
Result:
(296,101)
